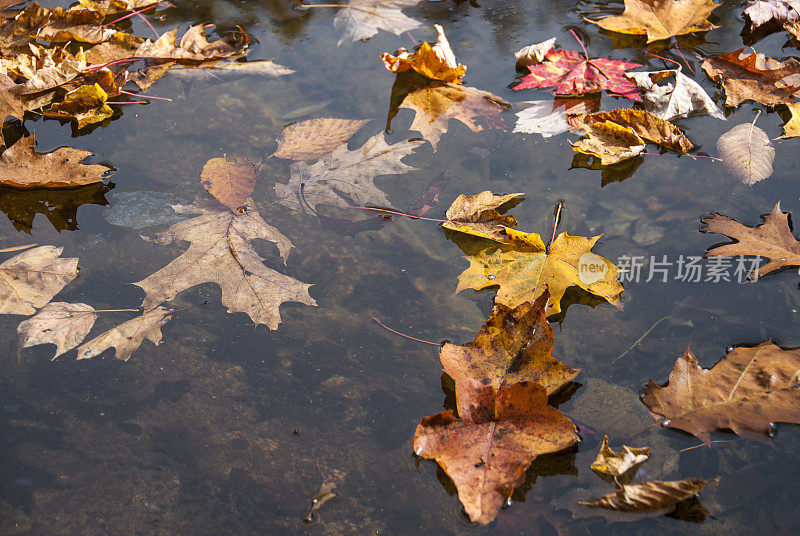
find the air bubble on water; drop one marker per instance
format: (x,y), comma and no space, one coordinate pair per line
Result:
(665,423)
(729,349)
(771,430)
(490,277)
(418,451)
(509,502)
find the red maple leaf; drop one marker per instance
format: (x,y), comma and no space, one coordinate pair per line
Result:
(573,74)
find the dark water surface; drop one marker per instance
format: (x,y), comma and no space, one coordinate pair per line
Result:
(197,435)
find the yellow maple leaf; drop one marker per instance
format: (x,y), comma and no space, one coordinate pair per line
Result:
(660,19)
(524,268)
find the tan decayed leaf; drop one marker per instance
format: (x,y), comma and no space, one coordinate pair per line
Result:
(609,141)
(118,6)
(649,495)
(760,12)
(220,252)
(126,338)
(31,279)
(745,392)
(436,62)
(87,104)
(660,19)
(771,240)
(533,54)
(670,94)
(82,25)
(486,452)
(646,125)
(308,140)
(55,68)
(616,464)
(229,179)
(193,46)
(747,153)
(345,178)
(753,77)
(482,214)
(23,167)
(524,269)
(60,323)
(514,345)
(361,19)
(792,127)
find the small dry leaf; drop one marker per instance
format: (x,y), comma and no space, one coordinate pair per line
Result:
(60,323)
(229,179)
(30,280)
(747,153)
(308,140)
(193,46)
(533,54)
(610,142)
(482,215)
(436,62)
(21,166)
(324,494)
(670,94)
(126,338)
(649,495)
(616,464)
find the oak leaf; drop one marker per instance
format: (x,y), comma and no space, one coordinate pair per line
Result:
(482,215)
(486,452)
(617,465)
(670,94)
(760,12)
(345,178)
(229,179)
(745,392)
(21,166)
(747,152)
(533,54)
(754,77)
(30,280)
(660,19)
(361,19)
(574,74)
(60,323)
(524,269)
(220,252)
(771,240)
(649,495)
(514,345)
(310,139)
(436,62)
(126,338)
(193,46)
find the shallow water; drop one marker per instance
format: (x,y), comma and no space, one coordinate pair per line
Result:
(197,435)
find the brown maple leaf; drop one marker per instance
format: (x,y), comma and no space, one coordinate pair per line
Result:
(771,240)
(754,77)
(660,19)
(21,166)
(745,392)
(486,452)
(513,345)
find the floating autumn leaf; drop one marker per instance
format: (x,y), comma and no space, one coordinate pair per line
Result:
(574,74)
(345,178)
(746,392)
(47,69)
(486,452)
(60,323)
(753,77)
(308,140)
(126,338)
(58,205)
(670,94)
(761,12)
(30,280)
(86,104)
(533,54)
(482,215)
(229,179)
(17,33)
(618,464)
(10,101)
(436,62)
(649,495)
(514,345)
(82,25)
(524,269)
(747,152)
(610,142)
(361,19)
(771,240)
(220,252)
(792,127)
(193,46)
(549,118)
(660,19)
(110,7)
(21,166)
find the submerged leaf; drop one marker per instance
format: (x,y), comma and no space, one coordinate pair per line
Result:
(482,215)
(616,464)
(308,140)
(746,392)
(60,323)
(361,19)
(31,279)
(229,179)
(649,495)
(126,338)
(747,153)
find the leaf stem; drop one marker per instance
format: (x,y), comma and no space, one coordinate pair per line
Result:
(17,248)
(578,39)
(114,311)
(384,326)
(143,96)
(129,15)
(675,42)
(400,213)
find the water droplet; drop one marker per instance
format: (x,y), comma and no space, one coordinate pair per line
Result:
(490,277)
(509,502)
(315,501)
(665,423)
(729,349)
(418,451)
